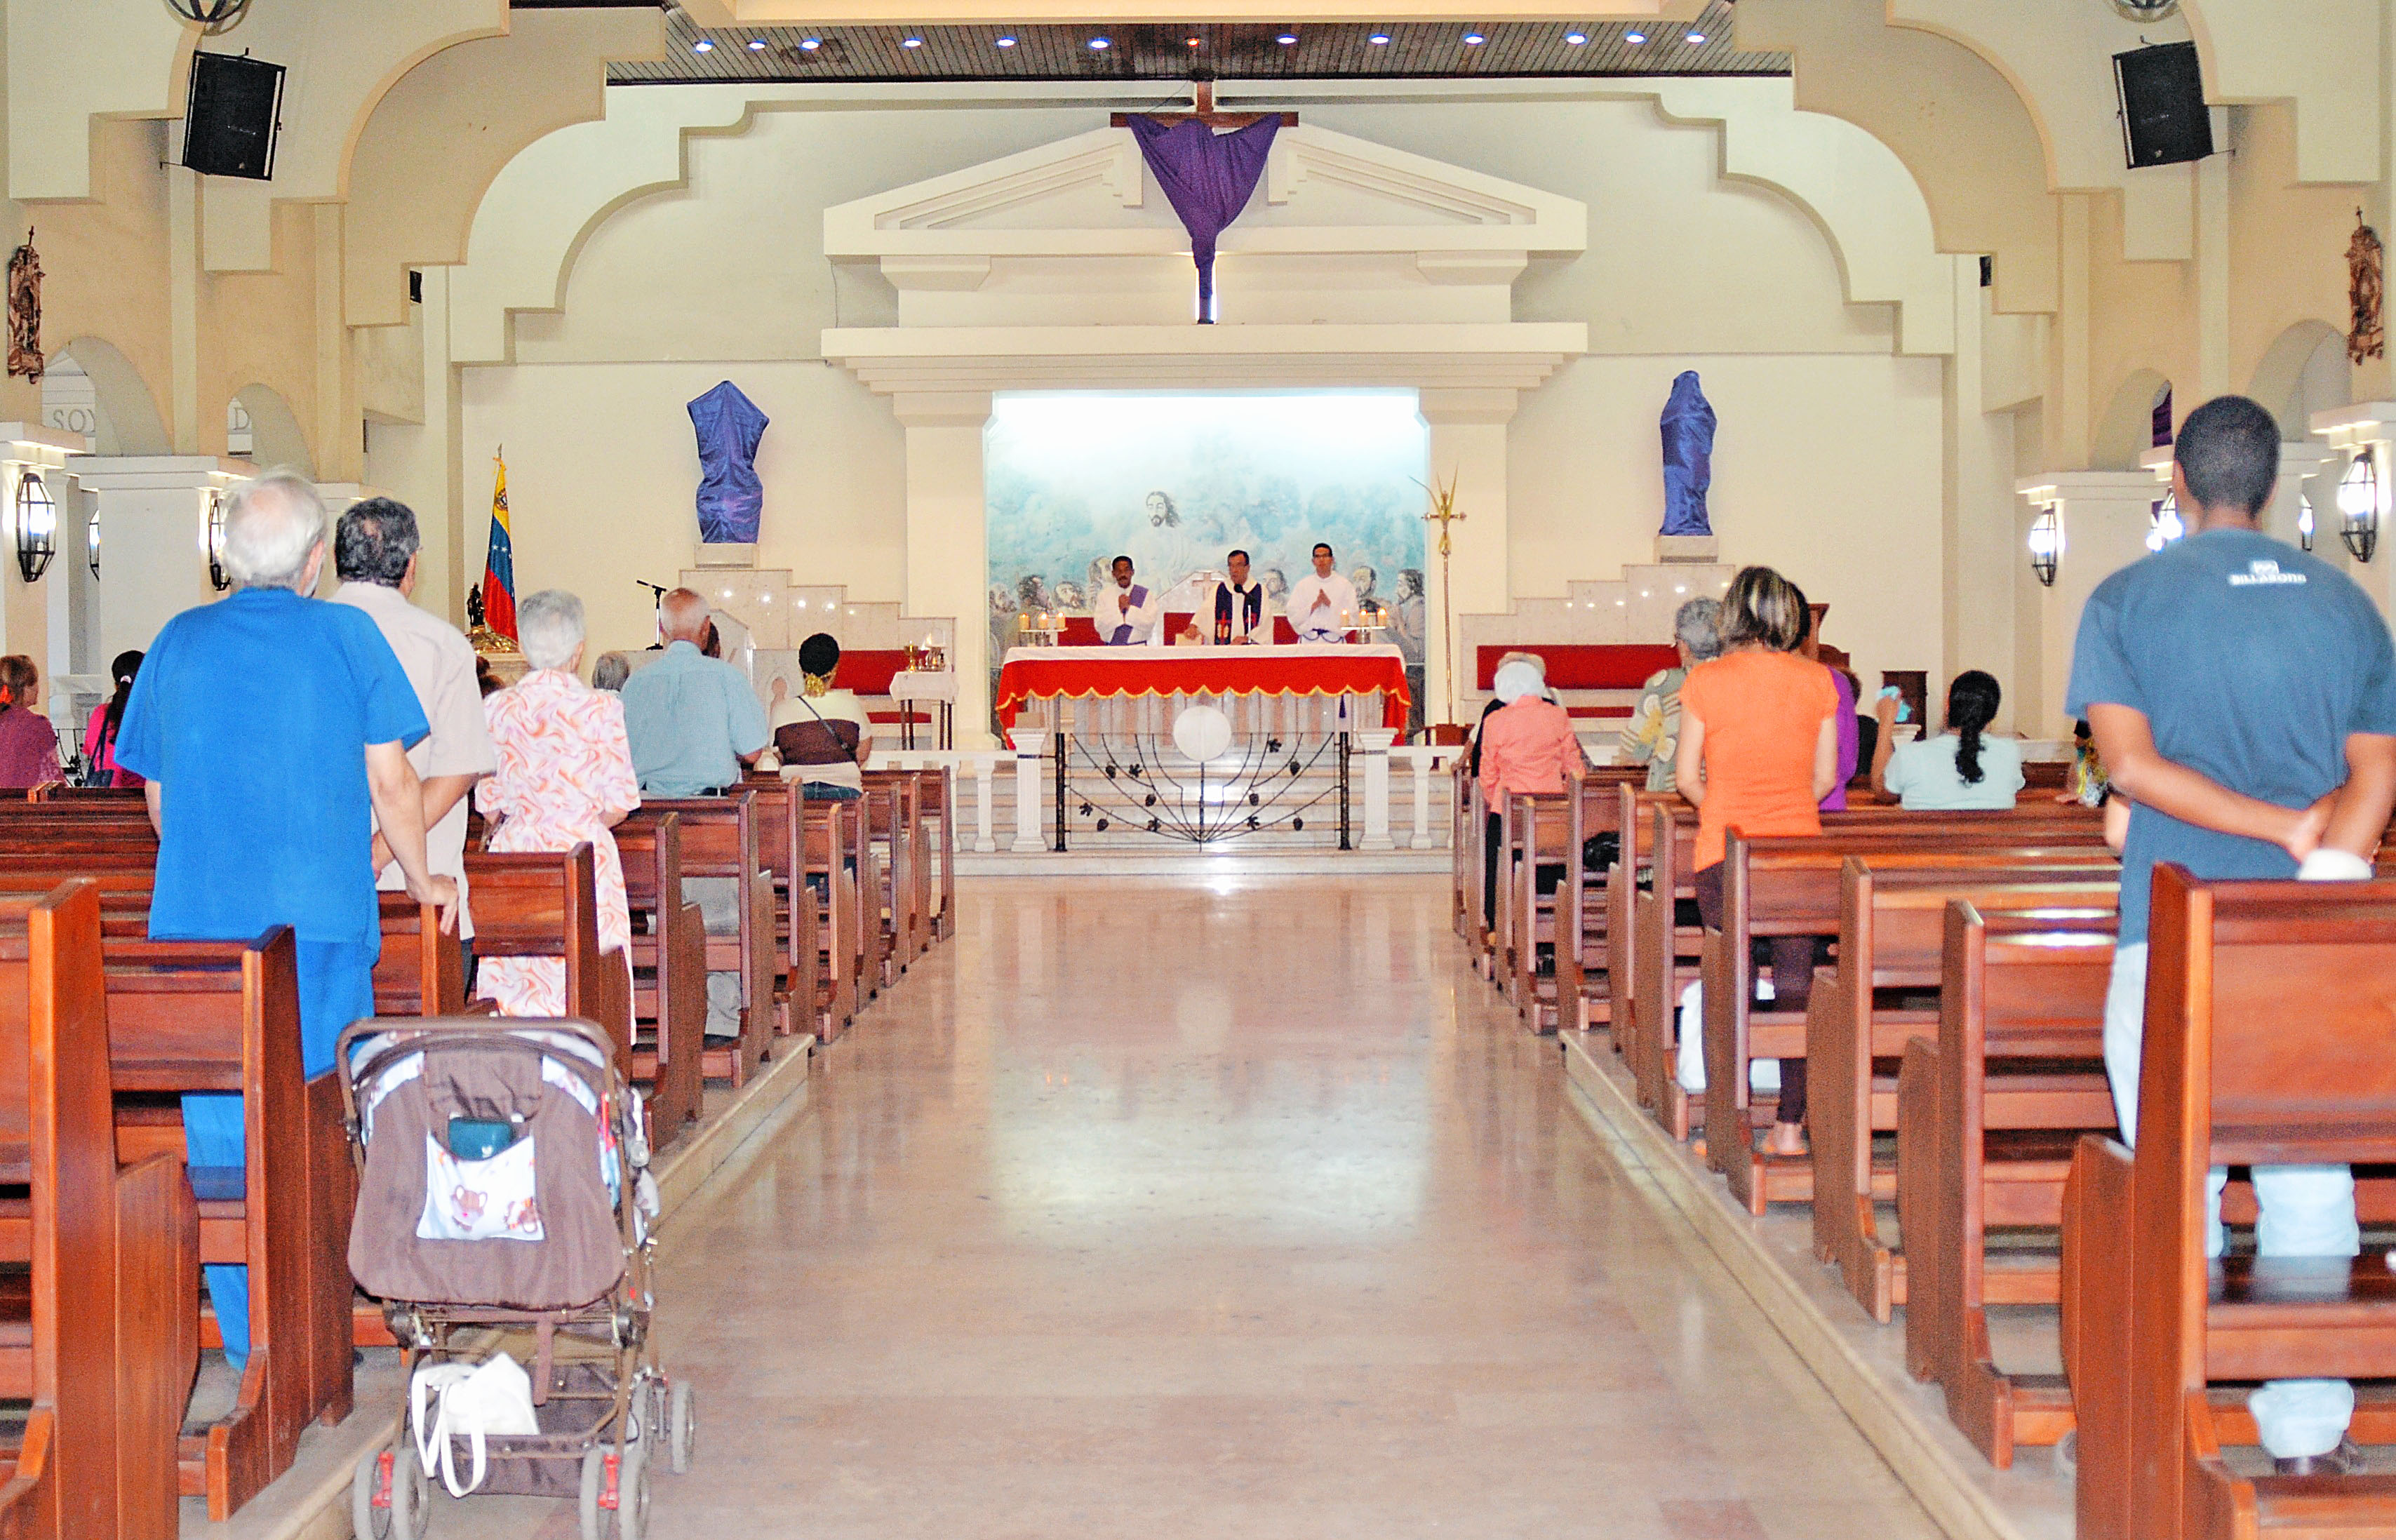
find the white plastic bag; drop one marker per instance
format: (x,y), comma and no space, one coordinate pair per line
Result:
(473,1401)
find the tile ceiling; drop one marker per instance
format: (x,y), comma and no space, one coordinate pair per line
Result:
(1166,53)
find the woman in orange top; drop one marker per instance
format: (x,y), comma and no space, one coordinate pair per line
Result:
(1758,752)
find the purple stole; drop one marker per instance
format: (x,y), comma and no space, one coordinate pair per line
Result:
(1253,600)
(1120,634)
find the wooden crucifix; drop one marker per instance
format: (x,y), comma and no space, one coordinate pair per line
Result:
(1202,111)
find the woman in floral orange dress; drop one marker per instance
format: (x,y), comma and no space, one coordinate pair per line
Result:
(564,776)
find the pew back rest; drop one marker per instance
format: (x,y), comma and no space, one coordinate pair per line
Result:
(2027,985)
(719,834)
(1794,885)
(1895,920)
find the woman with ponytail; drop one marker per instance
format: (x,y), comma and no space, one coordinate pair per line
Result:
(1962,767)
(99,734)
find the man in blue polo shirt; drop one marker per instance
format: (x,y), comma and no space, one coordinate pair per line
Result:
(692,721)
(2243,695)
(266,725)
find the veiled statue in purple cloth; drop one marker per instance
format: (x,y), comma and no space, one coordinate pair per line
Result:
(1208,177)
(731,499)
(1688,457)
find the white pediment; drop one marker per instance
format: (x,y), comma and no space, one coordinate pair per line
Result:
(1090,196)
(1066,265)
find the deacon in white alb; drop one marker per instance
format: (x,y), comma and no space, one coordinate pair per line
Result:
(1236,614)
(1125,614)
(1323,604)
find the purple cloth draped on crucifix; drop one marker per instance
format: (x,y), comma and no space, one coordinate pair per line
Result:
(1208,177)
(731,499)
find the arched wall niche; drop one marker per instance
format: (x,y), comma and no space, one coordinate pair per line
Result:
(2126,430)
(125,415)
(276,441)
(2303,371)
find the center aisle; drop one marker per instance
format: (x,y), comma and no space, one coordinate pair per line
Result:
(1233,1208)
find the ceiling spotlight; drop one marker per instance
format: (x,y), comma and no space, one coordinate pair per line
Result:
(1379,40)
(1695,38)
(1575,39)
(1286,39)
(1196,42)
(1099,44)
(756,45)
(1473,40)
(1006,41)
(702,46)
(811,43)
(911,42)
(1634,39)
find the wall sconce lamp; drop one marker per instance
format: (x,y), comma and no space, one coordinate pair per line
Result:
(91,543)
(2304,521)
(2358,505)
(2166,526)
(2045,546)
(217,577)
(37,525)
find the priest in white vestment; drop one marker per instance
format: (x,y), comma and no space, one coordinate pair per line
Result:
(1124,613)
(1235,614)
(1323,604)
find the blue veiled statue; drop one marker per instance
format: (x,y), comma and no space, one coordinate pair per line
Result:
(731,499)
(1688,457)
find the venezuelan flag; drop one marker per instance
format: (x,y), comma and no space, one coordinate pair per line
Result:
(500,566)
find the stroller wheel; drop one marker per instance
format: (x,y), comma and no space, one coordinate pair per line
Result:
(682,1428)
(632,1492)
(594,1489)
(389,1495)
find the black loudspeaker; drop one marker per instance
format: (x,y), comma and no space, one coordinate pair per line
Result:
(231,118)
(2163,120)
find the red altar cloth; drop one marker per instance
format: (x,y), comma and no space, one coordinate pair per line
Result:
(1084,674)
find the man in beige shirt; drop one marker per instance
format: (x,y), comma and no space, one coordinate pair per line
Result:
(374,551)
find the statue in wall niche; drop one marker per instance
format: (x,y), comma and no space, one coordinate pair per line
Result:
(731,499)
(1688,424)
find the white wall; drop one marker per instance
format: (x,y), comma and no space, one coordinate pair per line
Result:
(1826,467)
(602,466)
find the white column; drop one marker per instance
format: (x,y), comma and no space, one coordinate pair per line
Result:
(1373,746)
(1030,767)
(2348,431)
(154,522)
(985,772)
(2105,516)
(1468,444)
(948,564)
(1422,840)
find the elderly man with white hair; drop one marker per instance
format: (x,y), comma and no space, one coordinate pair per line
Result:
(269,726)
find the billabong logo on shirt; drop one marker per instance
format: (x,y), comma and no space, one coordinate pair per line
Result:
(2263,574)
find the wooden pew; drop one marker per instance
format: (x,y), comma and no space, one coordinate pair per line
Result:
(1542,828)
(1596,808)
(546,904)
(720,839)
(1776,887)
(1988,1113)
(826,838)
(941,808)
(102,1337)
(1464,829)
(1665,957)
(798,964)
(669,998)
(893,807)
(1885,990)
(2267,1018)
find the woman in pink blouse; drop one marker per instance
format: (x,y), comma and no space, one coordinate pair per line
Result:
(100,735)
(564,776)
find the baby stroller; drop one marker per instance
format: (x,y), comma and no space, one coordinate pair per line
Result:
(502,1186)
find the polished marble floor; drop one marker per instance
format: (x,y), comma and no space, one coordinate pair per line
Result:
(1215,1209)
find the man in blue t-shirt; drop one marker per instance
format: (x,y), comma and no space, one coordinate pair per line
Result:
(2243,695)
(267,725)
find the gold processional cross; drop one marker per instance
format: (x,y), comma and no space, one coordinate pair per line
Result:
(1442,512)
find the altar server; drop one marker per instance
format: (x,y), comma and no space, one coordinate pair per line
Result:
(1126,614)
(1323,604)
(1237,614)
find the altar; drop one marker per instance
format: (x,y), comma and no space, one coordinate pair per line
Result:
(1202,746)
